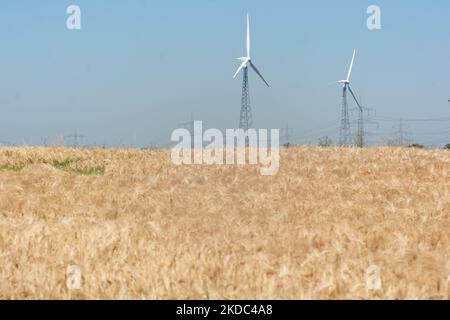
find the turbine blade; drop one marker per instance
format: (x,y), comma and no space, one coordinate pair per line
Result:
(242,66)
(354,97)
(248,36)
(259,73)
(351,66)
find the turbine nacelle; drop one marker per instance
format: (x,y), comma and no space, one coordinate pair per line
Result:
(245,60)
(343,82)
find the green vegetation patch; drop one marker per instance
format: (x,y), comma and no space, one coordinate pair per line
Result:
(66,166)
(12,167)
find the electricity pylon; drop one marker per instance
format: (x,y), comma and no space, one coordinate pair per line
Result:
(287,136)
(76,139)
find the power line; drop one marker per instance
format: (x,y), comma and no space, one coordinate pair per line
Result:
(190,126)
(443,119)
(401,134)
(328,125)
(76,138)
(5,143)
(364,119)
(286,136)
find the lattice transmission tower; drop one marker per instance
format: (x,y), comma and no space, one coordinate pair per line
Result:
(401,135)
(362,121)
(287,137)
(77,139)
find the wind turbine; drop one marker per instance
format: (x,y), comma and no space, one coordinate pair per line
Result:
(345,135)
(246,121)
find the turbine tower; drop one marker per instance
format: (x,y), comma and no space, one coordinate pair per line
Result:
(246,120)
(345,134)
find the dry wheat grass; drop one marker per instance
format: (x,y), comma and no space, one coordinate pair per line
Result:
(146,229)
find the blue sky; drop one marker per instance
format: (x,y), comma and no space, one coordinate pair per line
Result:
(138,68)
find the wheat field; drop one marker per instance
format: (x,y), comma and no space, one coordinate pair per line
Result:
(332,224)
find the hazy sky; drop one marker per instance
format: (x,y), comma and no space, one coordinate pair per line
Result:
(138,68)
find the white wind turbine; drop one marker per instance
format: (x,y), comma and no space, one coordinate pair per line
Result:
(246,115)
(345,138)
